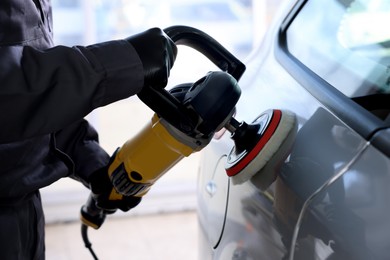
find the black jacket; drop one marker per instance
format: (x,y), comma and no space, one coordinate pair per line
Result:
(45,92)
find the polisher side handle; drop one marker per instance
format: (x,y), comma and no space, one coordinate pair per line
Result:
(166,105)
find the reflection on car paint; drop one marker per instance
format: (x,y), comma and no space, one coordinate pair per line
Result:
(307,179)
(313,196)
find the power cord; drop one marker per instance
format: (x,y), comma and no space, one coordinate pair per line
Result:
(84,234)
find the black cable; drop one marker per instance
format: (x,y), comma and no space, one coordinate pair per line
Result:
(84,234)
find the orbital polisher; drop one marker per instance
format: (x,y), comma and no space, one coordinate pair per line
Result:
(185,120)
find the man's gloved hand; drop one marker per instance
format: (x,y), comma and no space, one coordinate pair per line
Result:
(157,53)
(101,189)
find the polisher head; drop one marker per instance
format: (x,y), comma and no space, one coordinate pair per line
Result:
(261,146)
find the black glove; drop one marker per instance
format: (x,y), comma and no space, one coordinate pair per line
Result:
(101,188)
(157,53)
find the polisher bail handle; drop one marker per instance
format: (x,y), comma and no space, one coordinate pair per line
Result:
(166,105)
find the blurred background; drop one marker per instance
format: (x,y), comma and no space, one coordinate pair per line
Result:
(164,225)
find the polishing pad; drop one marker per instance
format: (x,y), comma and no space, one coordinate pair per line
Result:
(270,144)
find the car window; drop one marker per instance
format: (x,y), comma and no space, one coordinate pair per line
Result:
(347,44)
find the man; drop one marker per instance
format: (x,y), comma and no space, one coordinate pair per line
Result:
(45,93)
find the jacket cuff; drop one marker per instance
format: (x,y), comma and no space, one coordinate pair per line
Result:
(122,69)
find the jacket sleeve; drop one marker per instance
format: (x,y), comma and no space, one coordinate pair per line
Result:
(42,92)
(80,142)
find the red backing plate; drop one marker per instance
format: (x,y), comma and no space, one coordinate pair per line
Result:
(268,133)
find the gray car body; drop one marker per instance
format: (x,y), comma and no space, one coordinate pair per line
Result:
(330,199)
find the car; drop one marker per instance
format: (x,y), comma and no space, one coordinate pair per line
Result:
(328,63)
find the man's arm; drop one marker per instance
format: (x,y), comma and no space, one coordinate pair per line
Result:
(44,91)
